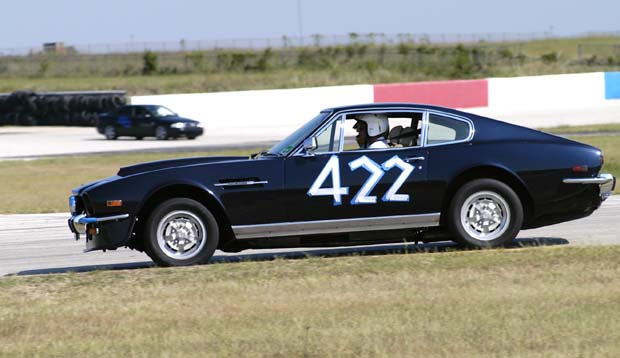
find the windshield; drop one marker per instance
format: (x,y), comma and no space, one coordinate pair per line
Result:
(161,111)
(289,143)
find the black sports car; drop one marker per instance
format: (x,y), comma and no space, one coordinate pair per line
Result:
(147,121)
(408,172)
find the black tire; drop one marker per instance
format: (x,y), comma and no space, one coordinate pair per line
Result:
(110,133)
(139,138)
(193,244)
(485,205)
(191,137)
(161,133)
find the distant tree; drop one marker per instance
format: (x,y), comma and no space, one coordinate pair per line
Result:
(149,63)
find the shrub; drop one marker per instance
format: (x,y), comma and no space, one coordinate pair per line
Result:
(149,63)
(549,58)
(404,48)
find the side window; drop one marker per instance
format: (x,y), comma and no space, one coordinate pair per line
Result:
(139,112)
(125,112)
(329,139)
(444,130)
(403,130)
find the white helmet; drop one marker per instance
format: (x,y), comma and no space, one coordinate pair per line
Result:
(377,123)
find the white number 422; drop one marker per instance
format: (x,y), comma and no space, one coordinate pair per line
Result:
(376,173)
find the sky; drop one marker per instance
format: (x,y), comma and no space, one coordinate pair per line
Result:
(28,24)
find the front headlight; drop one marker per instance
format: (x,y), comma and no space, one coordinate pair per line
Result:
(178,125)
(72,204)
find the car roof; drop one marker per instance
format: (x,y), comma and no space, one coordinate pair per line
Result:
(390,105)
(395,105)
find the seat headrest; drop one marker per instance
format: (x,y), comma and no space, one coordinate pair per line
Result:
(406,136)
(394,134)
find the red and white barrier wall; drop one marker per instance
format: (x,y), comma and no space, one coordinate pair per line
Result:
(456,94)
(535,101)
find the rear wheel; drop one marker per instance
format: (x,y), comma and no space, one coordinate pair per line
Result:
(485,213)
(110,132)
(181,232)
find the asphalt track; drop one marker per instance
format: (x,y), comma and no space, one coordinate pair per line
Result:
(42,244)
(33,142)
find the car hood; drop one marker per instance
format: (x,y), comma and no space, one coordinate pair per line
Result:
(165,164)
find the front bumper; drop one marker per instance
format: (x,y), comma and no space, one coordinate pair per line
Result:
(606,183)
(186,132)
(107,232)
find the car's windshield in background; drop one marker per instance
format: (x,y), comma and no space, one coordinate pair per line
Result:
(160,111)
(289,143)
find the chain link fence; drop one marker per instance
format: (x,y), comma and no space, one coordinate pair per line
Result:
(284,42)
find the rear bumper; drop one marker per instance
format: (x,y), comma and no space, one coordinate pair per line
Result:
(583,198)
(108,232)
(606,183)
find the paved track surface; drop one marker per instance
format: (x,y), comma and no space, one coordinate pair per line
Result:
(42,243)
(32,142)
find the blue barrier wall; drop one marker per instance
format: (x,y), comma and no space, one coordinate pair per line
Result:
(612,85)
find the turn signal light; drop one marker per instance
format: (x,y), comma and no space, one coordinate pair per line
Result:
(114,203)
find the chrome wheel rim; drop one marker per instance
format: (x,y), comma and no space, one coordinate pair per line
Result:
(181,235)
(161,133)
(110,132)
(485,215)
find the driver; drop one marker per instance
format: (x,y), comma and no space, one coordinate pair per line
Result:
(372,130)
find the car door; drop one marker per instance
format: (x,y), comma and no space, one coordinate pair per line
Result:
(336,184)
(124,120)
(142,123)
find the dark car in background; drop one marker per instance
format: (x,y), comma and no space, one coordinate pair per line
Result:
(141,121)
(442,175)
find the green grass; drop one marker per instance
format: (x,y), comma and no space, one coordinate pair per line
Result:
(535,302)
(576,130)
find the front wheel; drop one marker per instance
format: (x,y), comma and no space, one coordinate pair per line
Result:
(181,232)
(161,133)
(110,132)
(485,213)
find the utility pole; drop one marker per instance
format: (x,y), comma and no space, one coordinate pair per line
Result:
(300,24)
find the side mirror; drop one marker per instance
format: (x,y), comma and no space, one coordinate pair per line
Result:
(310,145)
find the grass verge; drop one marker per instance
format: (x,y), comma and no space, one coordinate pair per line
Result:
(44,185)
(534,302)
(590,129)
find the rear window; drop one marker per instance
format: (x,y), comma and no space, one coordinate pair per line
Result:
(445,129)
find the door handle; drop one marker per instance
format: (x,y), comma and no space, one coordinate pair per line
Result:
(414,159)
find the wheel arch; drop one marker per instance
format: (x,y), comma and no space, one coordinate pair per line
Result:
(182,191)
(491,172)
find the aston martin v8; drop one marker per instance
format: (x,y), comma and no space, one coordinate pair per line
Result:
(352,175)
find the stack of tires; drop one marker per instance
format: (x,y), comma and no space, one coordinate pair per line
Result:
(58,108)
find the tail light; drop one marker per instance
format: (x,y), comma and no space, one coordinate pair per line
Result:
(580,169)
